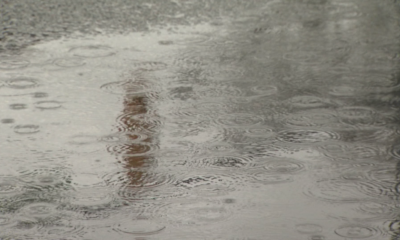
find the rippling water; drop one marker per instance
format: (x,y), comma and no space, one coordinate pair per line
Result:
(278,122)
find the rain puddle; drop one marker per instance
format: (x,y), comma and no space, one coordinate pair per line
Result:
(278,123)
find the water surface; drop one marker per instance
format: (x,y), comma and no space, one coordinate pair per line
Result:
(274,120)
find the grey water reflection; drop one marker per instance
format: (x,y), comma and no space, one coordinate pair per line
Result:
(259,120)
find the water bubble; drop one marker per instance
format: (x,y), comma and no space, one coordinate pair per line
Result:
(26,129)
(92,51)
(140,226)
(356,231)
(69,62)
(48,105)
(18,106)
(306,136)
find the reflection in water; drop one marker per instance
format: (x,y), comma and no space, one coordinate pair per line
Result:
(278,123)
(135,155)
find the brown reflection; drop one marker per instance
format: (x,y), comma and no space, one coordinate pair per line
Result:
(132,151)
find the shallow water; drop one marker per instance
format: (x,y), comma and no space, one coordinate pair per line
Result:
(279,122)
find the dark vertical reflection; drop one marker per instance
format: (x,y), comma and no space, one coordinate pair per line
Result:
(133,151)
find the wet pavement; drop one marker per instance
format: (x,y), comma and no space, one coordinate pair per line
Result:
(200,120)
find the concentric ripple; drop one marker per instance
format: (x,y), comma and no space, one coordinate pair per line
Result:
(210,185)
(124,138)
(218,91)
(308,101)
(126,87)
(240,120)
(132,149)
(90,197)
(22,83)
(139,226)
(27,129)
(303,57)
(9,63)
(306,136)
(194,213)
(311,118)
(351,152)
(357,115)
(225,162)
(45,178)
(39,210)
(377,209)
(48,105)
(338,190)
(69,62)
(6,220)
(18,106)
(344,91)
(130,179)
(283,166)
(139,122)
(356,231)
(264,90)
(150,66)
(9,187)
(267,178)
(92,51)
(64,227)
(308,228)
(260,132)
(386,176)
(40,95)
